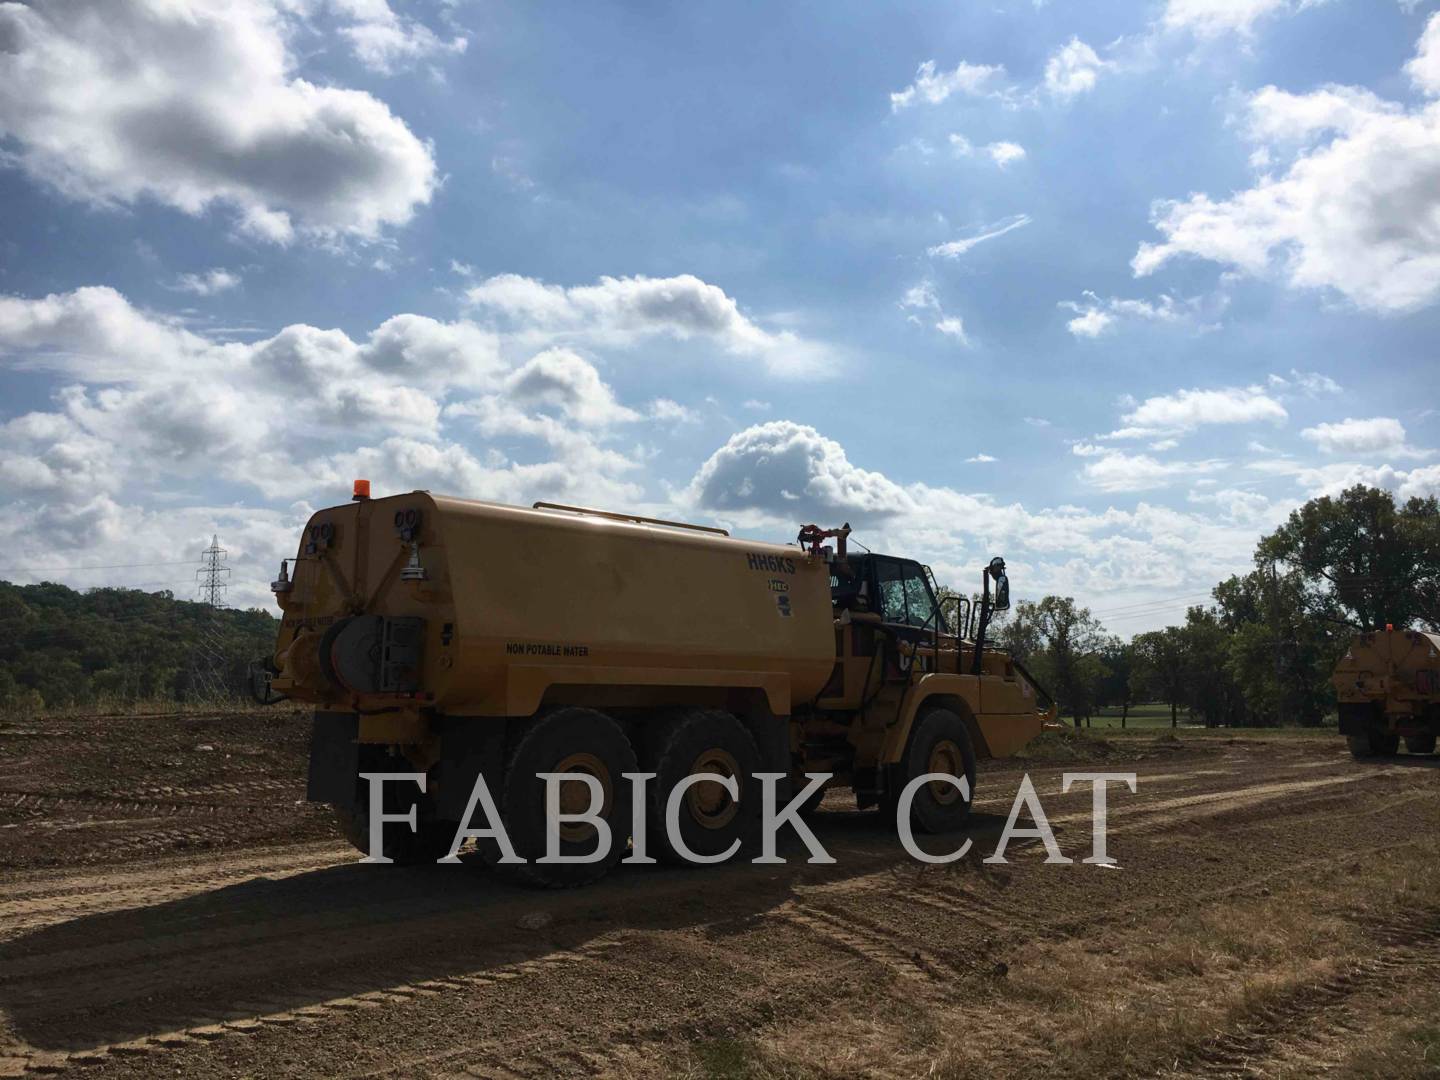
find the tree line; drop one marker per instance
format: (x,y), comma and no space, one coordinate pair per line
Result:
(1261,653)
(60,648)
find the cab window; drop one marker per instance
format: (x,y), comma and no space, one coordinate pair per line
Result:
(905,594)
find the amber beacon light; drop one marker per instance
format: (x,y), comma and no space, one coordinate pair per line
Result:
(362,490)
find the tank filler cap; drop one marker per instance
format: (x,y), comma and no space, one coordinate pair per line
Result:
(282,584)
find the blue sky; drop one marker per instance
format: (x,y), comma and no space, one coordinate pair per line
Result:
(1173,266)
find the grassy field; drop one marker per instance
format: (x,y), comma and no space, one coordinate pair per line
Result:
(1157,715)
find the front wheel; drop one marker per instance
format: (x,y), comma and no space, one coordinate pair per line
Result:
(939,743)
(1359,746)
(1420,744)
(1384,743)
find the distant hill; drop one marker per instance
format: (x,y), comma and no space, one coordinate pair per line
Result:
(62,648)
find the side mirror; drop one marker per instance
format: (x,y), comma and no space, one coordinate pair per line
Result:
(1002,592)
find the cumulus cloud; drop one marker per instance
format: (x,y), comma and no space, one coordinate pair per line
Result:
(1356,209)
(1186,410)
(776,476)
(1115,470)
(624,311)
(1374,435)
(156,408)
(1214,18)
(1073,69)
(211,282)
(197,105)
(931,87)
(788,470)
(953,249)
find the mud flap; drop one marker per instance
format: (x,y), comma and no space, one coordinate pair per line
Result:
(334,758)
(468,748)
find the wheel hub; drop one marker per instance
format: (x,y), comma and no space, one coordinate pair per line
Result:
(708,802)
(575,795)
(945,757)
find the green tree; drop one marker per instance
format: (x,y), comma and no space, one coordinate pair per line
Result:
(1060,641)
(1118,686)
(1164,663)
(1365,561)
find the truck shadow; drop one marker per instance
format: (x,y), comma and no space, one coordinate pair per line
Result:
(266,947)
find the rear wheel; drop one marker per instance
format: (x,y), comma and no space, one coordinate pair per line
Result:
(1384,743)
(430,840)
(1359,745)
(1420,744)
(576,741)
(940,743)
(710,819)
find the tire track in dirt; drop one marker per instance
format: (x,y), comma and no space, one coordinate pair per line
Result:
(1285,1032)
(15,1060)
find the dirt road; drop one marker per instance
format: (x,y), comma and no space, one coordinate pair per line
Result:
(168,904)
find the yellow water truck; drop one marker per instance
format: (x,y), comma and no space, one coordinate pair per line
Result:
(1388,688)
(459,639)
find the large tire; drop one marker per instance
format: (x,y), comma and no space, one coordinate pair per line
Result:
(710,821)
(939,743)
(428,842)
(1384,743)
(1420,744)
(570,740)
(1359,746)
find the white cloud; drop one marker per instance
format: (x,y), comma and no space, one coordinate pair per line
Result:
(1186,410)
(197,105)
(931,87)
(1310,383)
(1004,153)
(776,476)
(623,311)
(561,377)
(1424,68)
(672,412)
(1095,316)
(1115,470)
(1214,18)
(756,405)
(386,42)
(980,459)
(784,469)
(209,283)
(1001,153)
(1073,69)
(1375,435)
(1356,210)
(299,413)
(953,249)
(921,298)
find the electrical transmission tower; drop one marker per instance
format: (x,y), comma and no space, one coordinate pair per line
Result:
(213,576)
(208,660)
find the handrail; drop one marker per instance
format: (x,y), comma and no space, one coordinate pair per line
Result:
(627,517)
(1039,687)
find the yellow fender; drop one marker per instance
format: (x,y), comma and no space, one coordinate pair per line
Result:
(994,734)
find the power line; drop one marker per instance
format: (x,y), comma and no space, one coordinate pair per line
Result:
(110,566)
(1152,603)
